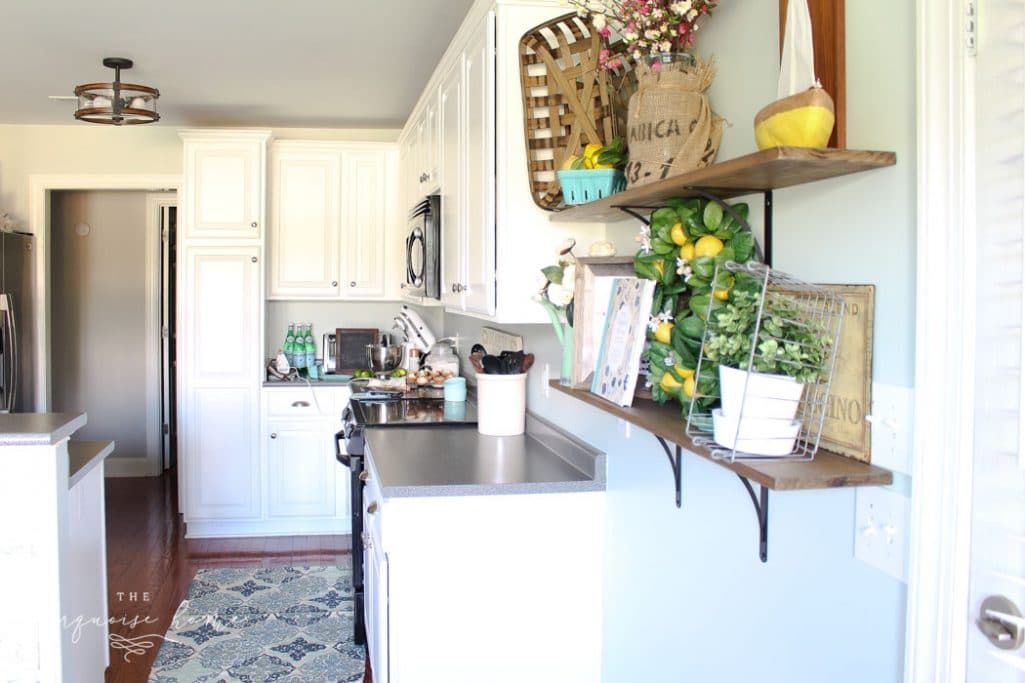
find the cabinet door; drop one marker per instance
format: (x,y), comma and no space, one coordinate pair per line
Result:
(375,584)
(364,223)
(428,138)
(220,365)
(479,227)
(304,223)
(224,188)
(451,169)
(301,470)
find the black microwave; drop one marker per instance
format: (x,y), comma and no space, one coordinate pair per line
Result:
(423,249)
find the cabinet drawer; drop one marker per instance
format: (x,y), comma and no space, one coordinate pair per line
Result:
(306,402)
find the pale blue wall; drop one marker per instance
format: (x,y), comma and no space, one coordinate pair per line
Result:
(686,597)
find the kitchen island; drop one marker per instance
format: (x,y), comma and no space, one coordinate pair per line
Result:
(484,555)
(52,550)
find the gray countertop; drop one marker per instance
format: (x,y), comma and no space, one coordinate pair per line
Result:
(459,461)
(83,456)
(38,429)
(339,383)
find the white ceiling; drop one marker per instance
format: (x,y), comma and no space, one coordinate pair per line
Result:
(301,63)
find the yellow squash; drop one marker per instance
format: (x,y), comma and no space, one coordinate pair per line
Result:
(802,120)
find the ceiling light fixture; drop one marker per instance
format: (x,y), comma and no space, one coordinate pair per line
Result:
(117,103)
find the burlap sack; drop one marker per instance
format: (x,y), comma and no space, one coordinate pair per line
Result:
(671,128)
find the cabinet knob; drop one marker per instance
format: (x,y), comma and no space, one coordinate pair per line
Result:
(273,435)
(253,224)
(364,475)
(255,259)
(300,404)
(352,284)
(372,508)
(334,283)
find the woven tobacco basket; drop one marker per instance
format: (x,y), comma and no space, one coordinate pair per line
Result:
(568,102)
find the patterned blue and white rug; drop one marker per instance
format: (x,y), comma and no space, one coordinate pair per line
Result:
(263,624)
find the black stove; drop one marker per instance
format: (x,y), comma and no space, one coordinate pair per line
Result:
(375,410)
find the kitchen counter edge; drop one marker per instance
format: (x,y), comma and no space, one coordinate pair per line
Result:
(38,429)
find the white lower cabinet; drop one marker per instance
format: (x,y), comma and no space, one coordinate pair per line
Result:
(516,580)
(300,470)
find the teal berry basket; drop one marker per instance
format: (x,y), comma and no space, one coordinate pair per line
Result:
(587,185)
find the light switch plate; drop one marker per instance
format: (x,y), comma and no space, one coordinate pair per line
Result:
(881,522)
(496,341)
(893,422)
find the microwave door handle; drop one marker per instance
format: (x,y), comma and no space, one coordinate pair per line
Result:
(12,345)
(410,276)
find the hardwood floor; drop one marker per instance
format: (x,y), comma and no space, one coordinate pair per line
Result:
(150,563)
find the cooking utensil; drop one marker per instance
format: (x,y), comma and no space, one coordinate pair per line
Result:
(512,361)
(528,362)
(479,347)
(475,361)
(492,365)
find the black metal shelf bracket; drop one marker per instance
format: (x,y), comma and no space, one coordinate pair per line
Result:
(675,462)
(761,504)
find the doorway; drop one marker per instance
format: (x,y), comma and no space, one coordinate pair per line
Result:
(111,320)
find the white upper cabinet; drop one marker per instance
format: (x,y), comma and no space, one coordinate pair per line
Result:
(304,219)
(451,147)
(478,238)
(334,228)
(365,198)
(495,240)
(223,196)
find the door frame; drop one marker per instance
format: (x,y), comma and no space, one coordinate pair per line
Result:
(155,202)
(41,187)
(941,501)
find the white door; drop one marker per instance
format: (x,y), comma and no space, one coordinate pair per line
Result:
(479,233)
(304,223)
(376,605)
(364,223)
(301,470)
(998,509)
(451,169)
(223,194)
(220,367)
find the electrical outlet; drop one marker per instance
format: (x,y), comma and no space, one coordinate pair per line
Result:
(881,524)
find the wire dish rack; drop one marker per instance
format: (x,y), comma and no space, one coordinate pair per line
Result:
(766,365)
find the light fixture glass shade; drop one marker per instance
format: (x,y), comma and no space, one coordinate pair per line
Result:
(117,103)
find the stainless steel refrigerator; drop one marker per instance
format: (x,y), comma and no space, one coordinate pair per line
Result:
(17,323)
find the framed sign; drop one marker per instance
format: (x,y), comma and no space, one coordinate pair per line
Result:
(351,348)
(845,430)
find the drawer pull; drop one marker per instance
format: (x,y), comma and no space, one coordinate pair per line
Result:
(301,404)
(273,435)
(364,475)
(372,508)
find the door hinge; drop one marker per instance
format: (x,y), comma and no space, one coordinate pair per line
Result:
(971,28)
(167,429)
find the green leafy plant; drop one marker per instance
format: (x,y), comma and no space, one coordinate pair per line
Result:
(787,342)
(612,155)
(679,250)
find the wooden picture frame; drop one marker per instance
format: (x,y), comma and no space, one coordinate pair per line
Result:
(845,429)
(591,291)
(351,348)
(828,26)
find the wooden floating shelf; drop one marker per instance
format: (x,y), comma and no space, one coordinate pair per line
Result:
(770,169)
(827,471)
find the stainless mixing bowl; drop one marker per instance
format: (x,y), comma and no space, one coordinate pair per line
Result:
(383,358)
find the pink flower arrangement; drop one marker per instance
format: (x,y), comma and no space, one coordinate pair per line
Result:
(648,27)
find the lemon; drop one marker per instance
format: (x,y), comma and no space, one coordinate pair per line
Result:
(591,151)
(567,165)
(660,266)
(678,235)
(669,383)
(709,245)
(683,372)
(688,387)
(723,293)
(663,332)
(687,251)
(588,162)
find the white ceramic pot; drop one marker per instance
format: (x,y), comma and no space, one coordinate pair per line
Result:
(757,395)
(501,404)
(756,436)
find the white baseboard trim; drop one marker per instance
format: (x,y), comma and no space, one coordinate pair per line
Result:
(267,527)
(130,467)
